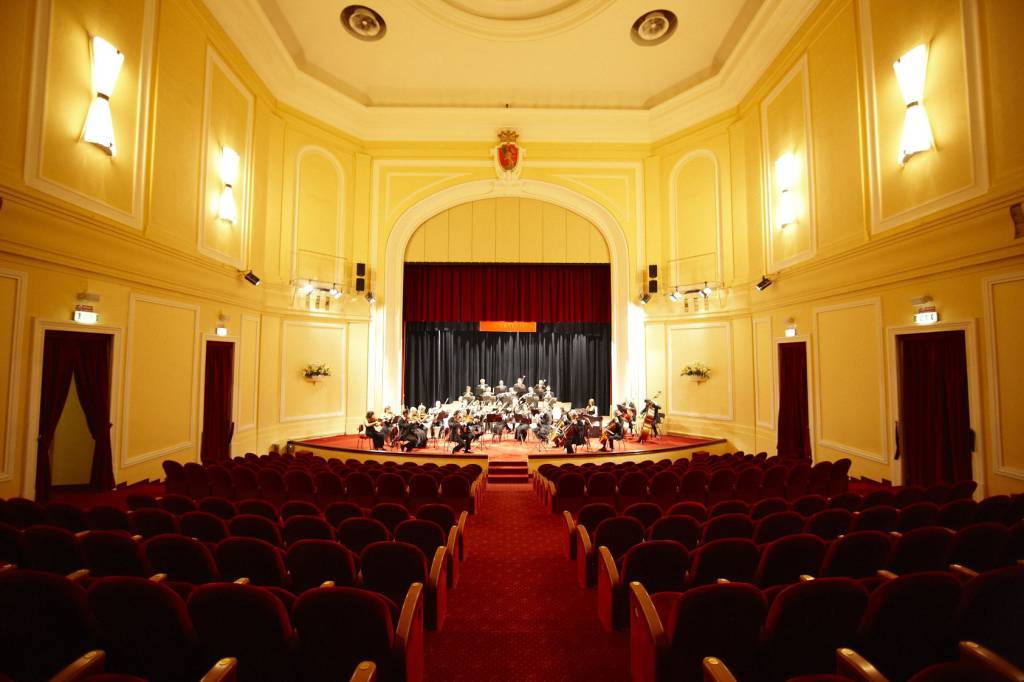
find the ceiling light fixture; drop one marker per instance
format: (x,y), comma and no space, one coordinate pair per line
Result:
(106,66)
(654,27)
(764,283)
(363,23)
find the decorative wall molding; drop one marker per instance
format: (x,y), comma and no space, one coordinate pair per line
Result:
(976,112)
(284,370)
(127,459)
(17,326)
(39,330)
(821,438)
(763,421)
(768,170)
(37,109)
(252,319)
(995,418)
(339,230)
(670,370)
(214,61)
(673,208)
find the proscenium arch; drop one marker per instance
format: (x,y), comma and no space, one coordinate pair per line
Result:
(386,321)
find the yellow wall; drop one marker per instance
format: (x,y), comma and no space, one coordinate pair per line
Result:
(71,457)
(140,230)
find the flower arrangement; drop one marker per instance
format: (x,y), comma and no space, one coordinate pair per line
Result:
(697,370)
(316,371)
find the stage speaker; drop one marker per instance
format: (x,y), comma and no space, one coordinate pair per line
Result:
(360,284)
(652,286)
(652,270)
(360,269)
(652,278)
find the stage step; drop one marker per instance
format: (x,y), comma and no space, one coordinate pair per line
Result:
(507,472)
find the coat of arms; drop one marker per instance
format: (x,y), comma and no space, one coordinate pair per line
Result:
(508,155)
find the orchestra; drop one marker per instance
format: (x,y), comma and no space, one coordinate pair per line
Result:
(526,413)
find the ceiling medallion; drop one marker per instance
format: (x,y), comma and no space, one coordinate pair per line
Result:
(508,155)
(654,27)
(363,23)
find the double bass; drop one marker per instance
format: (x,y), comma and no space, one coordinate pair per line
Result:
(613,427)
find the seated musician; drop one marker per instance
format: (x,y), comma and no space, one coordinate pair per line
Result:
(592,409)
(481,388)
(519,388)
(418,428)
(501,387)
(435,420)
(614,430)
(541,389)
(374,430)
(467,396)
(580,425)
(460,434)
(543,426)
(654,409)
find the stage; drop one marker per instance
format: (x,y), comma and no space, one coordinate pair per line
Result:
(670,446)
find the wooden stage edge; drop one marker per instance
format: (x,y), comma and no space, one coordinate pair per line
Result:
(534,458)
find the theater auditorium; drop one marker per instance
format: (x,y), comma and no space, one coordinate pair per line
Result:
(511,340)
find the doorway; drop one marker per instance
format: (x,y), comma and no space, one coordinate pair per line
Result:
(794,423)
(218,402)
(73,446)
(934,438)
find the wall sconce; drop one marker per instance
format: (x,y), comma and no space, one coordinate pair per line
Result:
(106,66)
(229,161)
(790,328)
(222,324)
(917,131)
(785,178)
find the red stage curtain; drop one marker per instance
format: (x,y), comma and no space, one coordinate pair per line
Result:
(526,292)
(935,420)
(217,398)
(794,430)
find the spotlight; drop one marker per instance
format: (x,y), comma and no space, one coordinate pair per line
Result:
(675,295)
(334,292)
(645,298)
(764,283)
(251,278)
(370,298)
(706,291)
(306,288)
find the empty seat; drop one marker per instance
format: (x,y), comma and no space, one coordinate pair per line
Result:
(644,512)
(991,612)
(589,515)
(247,623)
(957,513)
(721,486)
(182,558)
(777,525)
(51,549)
(177,504)
(257,560)
(748,485)
(980,546)
(938,493)
(727,526)
(298,508)
(683,529)
(112,553)
(218,506)
(196,480)
(839,478)
(798,481)
(203,526)
(693,486)
(391,568)
(658,565)
(423,489)
(149,522)
(908,495)
(306,528)
(426,535)
(992,509)
(829,524)
(299,486)
(10,545)
(786,559)
(821,477)
(769,505)
(963,490)
(848,501)
(312,562)
(136,501)
(773,484)
(272,486)
(357,533)
(391,488)
(259,508)
(882,496)
(390,514)
(728,507)
(359,489)
(253,526)
(857,555)
(601,488)
(105,517)
(691,508)
(883,518)
(175,482)
(664,487)
(329,489)
(733,559)
(66,516)
(617,533)
(245,483)
(808,505)
(923,549)
(457,493)
(917,515)
(45,624)
(336,512)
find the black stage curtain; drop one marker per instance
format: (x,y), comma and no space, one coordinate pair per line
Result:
(441,358)
(523,292)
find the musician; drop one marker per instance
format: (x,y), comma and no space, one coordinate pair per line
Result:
(501,387)
(653,408)
(460,434)
(481,388)
(519,388)
(437,423)
(579,426)
(543,425)
(614,430)
(468,396)
(592,409)
(541,389)
(374,430)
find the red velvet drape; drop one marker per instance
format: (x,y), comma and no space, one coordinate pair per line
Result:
(531,292)
(793,430)
(86,358)
(217,400)
(935,420)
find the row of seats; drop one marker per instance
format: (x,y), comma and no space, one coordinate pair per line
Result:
(563,488)
(148,631)
(457,487)
(686,522)
(903,626)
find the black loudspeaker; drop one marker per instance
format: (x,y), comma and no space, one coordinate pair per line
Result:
(652,270)
(360,284)
(360,269)
(652,286)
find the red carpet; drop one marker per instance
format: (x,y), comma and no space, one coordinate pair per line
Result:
(84,499)
(518,613)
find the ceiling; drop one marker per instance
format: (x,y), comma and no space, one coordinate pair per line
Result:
(546,54)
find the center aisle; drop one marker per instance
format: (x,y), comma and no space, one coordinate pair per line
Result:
(518,613)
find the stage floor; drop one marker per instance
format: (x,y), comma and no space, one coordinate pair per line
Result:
(510,447)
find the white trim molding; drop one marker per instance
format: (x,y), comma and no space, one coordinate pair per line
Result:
(214,61)
(40,327)
(759,418)
(130,460)
(670,370)
(339,228)
(17,327)
(807,168)
(242,428)
(284,371)
(38,106)
(820,438)
(995,417)
(673,212)
(978,185)
(973,392)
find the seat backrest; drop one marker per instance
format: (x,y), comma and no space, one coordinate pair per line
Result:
(777,525)
(682,529)
(882,496)
(298,508)
(727,526)
(922,549)
(992,508)
(571,485)
(311,562)
(390,486)
(601,484)
(257,560)
(734,559)
(879,517)
(149,522)
(807,622)
(136,501)
(245,482)
(426,535)
(66,516)
(106,517)
(963,490)
(728,507)
(723,621)
(109,552)
(980,546)
(203,526)
(909,494)
(829,524)
(423,486)
(10,545)
(691,508)
(644,512)
(306,528)
(722,480)
(45,624)
(821,475)
(299,485)
(441,514)
(857,555)
(342,626)
(253,526)
(768,505)
(336,512)
(218,506)
(664,483)
(182,558)
(247,623)
(659,565)
(357,533)
(389,568)
(51,549)
(918,515)
(145,628)
(990,612)
(454,486)
(848,501)
(784,560)
(258,508)
(174,474)
(390,514)
(177,504)
(806,505)
(957,513)
(618,534)
(908,623)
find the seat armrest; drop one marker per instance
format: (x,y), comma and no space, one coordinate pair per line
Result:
(648,642)
(888,575)
(158,577)
(584,546)
(609,591)
(80,574)
(569,523)
(606,565)
(963,571)
(364,672)
(854,666)
(327,583)
(437,566)
(804,578)
(408,645)
(7,567)
(990,660)
(89,663)
(137,538)
(242,581)
(224,670)
(716,671)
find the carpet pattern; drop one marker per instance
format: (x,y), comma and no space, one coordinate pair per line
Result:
(517,613)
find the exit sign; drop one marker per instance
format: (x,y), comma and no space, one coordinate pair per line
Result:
(927,315)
